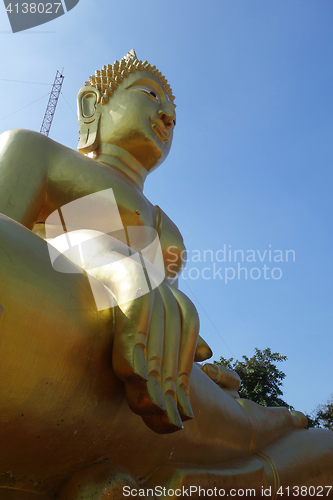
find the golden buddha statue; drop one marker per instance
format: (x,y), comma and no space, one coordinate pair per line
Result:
(92,397)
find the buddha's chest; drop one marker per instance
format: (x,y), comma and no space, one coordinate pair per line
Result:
(100,194)
(134,208)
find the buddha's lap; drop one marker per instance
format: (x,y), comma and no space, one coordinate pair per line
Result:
(57,379)
(50,329)
(51,317)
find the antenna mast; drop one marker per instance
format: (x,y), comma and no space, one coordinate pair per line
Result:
(52,104)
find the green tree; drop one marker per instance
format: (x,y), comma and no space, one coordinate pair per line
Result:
(323,415)
(261,379)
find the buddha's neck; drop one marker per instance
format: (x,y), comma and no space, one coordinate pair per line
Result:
(122,160)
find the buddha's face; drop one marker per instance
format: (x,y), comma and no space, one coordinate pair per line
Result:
(140,118)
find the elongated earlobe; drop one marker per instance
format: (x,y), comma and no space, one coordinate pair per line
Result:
(89,113)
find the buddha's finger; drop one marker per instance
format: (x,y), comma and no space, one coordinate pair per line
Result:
(202,351)
(142,316)
(172,334)
(132,321)
(224,377)
(155,352)
(188,343)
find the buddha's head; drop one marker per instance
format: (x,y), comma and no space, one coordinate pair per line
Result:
(130,105)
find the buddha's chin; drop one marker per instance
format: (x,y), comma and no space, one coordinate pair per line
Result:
(147,149)
(148,153)
(151,163)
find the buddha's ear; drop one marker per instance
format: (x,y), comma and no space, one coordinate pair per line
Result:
(89,113)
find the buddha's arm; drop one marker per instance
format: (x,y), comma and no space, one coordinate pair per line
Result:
(172,245)
(24,162)
(174,256)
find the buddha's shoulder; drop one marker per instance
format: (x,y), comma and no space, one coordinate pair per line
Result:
(35,151)
(31,142)
(17,134)
(21,136)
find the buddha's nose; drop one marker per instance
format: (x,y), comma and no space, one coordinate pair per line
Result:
(169,120)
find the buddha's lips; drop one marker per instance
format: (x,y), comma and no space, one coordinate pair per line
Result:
(160,130)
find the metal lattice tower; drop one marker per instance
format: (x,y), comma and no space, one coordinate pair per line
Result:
(52,104)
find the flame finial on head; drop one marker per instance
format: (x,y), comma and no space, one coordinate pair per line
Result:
(130,56)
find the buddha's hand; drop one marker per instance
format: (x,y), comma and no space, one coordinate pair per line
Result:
(155,344)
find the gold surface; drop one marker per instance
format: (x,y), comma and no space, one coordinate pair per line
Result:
(91,399)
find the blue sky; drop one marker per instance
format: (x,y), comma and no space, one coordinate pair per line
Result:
(251,163)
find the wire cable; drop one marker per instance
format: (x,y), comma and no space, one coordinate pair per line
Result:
(21,81)
(70,107)
(33,102)
(196,298)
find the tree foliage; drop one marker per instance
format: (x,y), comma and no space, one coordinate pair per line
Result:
(323,415)
(261,379)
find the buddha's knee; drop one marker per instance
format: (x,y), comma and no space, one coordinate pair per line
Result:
(304,458)
(171,481)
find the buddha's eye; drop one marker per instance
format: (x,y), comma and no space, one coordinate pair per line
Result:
(147,90)
(151,92)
